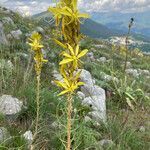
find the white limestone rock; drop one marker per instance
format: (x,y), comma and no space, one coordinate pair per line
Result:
(86,77)
(57,75)
(10,106)
(28,136)
(132,72)
(16,34)
(89,90)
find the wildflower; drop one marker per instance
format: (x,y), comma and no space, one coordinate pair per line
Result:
(73,56)
(61,11)
(67,14)
(35,41)
(69,86)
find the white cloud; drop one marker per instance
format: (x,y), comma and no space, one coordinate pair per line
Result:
(36,6)
(27,6)
(115,5)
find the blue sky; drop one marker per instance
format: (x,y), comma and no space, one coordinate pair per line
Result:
(30,7)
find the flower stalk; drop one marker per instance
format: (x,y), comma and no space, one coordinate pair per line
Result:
(127,42)
(69,122)
(68,17)
(36,47)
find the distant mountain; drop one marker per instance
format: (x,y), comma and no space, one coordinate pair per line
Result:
(119,21)
(89,27)
(97,30)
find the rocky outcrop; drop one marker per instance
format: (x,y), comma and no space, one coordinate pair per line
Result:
(94,97)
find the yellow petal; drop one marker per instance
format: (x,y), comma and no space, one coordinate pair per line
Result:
(67,82)
(66,55)
(80,83)
(65,61)
(60,44)
(74,3)
(77,75)
(63,92)
(83,15)
(71,49)
(44,60)
(77,50)
(82,53)
(61,84)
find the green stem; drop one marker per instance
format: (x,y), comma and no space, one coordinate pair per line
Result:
(126,59)
(37,104)
(69,111)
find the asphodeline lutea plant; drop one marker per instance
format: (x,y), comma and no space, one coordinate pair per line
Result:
(36,47)
(127,42)
(67,16)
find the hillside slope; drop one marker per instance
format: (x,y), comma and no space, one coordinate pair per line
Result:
(97,30)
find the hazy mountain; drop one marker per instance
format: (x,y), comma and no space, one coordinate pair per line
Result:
(95,29)
(88,27)
(119,21)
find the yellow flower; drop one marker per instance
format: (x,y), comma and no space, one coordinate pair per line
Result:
(35,41)
(74,14)
(36,36)
(38,56)
(69,86)
(73,56)
(35,45)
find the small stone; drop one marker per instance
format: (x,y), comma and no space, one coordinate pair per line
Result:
(129,65)
(87,119)
(142,129)
(16,34)
(106,143)
(40,30)
(57,75)
(3,134)
(90,55)
(28,136)
(102,60)
(132,72)
(55,125)
(109,78)
(144,72)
